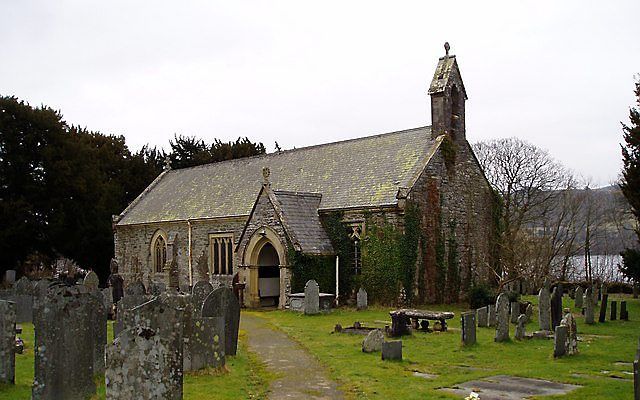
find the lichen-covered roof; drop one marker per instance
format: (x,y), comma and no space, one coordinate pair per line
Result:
(447,66)
(299,214)
(353,173)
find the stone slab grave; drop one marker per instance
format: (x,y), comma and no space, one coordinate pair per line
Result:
(468,323)
(544,309)
(7,342)
(141,365)
(206,344)
(556,306)
(392,350)
(223,303)
(505,387)
(589,306)
(482,315)
(64,343)
(311,298)
(199,293)
(502,318)
(362,299)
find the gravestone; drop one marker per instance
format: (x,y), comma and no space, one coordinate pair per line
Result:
(579,297)
(560,341)
(571,342)
(373,341)
(199,293)
(603,308)
(624,314)
(502,318)
(361,299)
(98,326)
(392,350)
(205,346)
(468,328)
(311,298)
(492,315)
(140,365)
(589,307)
(556,306)
(91,281)
(10,276)
(64,343)
(223,303)
(544,309)
(520,327)
(528,312)
(614,310)
(483,317)
(23,297)
(7,342)
(514,311)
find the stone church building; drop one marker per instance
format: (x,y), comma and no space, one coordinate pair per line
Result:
(246,214)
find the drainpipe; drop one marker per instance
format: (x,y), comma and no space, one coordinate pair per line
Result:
(189,256)
(337,276)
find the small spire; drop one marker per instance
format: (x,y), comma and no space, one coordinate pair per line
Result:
(446,48)
(265,175)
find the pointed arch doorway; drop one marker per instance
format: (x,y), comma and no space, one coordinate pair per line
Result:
(268,276)
(265,268)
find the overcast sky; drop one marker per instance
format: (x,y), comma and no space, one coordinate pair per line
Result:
(558,74)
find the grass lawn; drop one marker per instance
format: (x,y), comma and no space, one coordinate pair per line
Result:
(365,376)
(244,378)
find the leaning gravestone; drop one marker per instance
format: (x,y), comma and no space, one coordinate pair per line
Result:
(579,297)
(559,343)
(140,365)
(7,342)
(614,310)
(483,317)
(515,311)
(468,328)
(63,346)
(223,303)
(502,318)
(91,281)
(571,342)
(544,309)
(556,306)
(520,327)
(205,347)
(373,341)
(392,350)
(603,308)
(311,298)
(492,315)
(589,307)
(361,299)
(199,293)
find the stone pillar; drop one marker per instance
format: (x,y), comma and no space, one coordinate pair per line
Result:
(603,308)
(7,342)
(544,309)
(468,328)
(502,318)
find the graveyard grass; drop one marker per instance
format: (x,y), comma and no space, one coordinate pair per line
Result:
(365,376)
(246,377)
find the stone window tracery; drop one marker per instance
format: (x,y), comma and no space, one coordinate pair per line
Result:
(355,236)
(159,247)
(221,254)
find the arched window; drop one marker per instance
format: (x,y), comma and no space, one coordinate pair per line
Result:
(159,252)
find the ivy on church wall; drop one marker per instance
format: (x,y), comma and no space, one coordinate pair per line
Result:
(306,267)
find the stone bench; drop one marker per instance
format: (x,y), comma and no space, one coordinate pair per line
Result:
(403,318)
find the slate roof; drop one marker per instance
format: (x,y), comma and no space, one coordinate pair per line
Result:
(354,173)
(447,66)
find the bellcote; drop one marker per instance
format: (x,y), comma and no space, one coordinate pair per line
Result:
(448,97)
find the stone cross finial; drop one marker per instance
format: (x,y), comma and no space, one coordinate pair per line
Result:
(265,175)
(167,163)
(446,48)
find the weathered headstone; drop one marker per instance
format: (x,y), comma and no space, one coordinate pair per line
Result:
(64,343)
(223,303)
(556,306)
(91,281)
(502,318)
(589,307)
(199,293)
(483,317)
(7,342)
(571,343)
(492,315)
(311,298)
(614,310)
(579,297)
(514,311)
(468,328)
(205,347)
(520,327)
(624,314)
(361,299)
(603,308)
(373,341)
(10,276)
(392,350)
(544,309)
(560,341)
(140,365)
